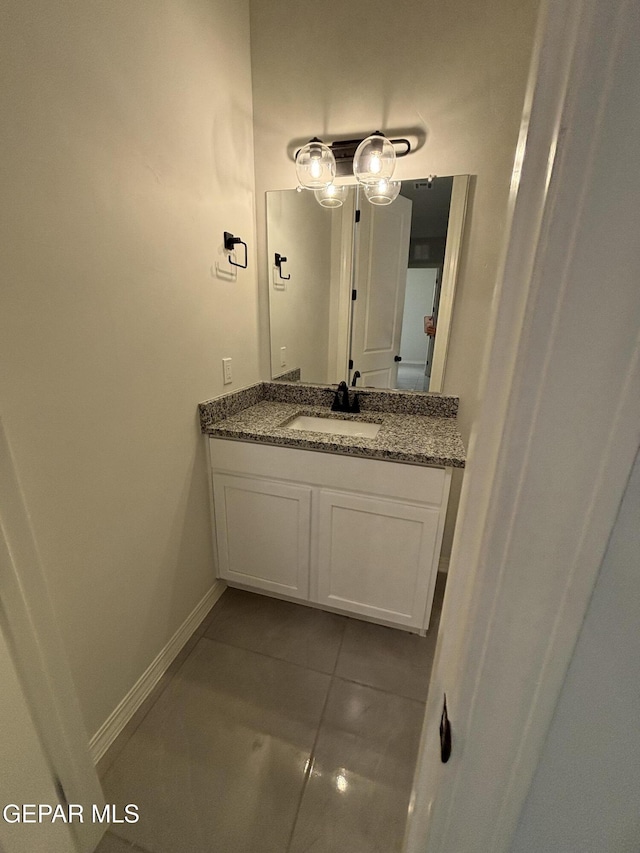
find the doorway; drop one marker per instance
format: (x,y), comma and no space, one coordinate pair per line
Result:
(416,345)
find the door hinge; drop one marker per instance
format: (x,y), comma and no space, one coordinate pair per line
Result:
(357,216)
(354,295)
(445,733)
(350,364)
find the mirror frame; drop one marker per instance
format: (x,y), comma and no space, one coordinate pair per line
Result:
(453,250)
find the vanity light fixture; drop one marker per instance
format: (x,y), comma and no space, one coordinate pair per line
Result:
(332,196)
(315,165)
(382,192)
(372,160)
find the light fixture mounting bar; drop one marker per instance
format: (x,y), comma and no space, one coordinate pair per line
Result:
(344,149)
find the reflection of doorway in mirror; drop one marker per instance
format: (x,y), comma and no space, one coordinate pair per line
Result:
(415,345)
(382,255)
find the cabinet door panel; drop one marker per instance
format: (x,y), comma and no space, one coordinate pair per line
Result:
(263,530)
(376,557)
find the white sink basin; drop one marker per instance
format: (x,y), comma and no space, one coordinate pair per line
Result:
(335,426)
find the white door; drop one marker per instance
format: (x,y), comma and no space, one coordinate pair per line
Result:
(382,256)
(552,447)
(42,735)
(25,776)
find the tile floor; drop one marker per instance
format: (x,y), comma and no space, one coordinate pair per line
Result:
(280,729)
(411,378)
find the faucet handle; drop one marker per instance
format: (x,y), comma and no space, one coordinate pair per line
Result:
(355,406)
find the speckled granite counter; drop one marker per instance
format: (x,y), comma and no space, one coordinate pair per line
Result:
(419,439)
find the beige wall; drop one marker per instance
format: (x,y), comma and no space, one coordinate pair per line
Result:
(126,150)
(454,68)
(300,229)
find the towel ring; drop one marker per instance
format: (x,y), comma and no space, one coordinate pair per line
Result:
(280,259)
(230,242)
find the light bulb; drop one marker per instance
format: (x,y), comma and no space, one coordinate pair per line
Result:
(331,196)
(375,158)
(382,192)
(315,165)
(375,163)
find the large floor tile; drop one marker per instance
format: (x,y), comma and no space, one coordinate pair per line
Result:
(387,658)
(291,632)
(218,764)
(358,790)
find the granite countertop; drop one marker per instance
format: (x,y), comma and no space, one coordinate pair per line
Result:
(415,438)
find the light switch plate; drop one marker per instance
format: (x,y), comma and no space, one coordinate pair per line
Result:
(226,371)
(283,356)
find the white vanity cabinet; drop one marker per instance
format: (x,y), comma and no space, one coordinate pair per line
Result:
(358,536)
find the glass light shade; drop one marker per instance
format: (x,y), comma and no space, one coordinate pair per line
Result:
(382,192)
(315,165)
(374,160)
(331,196)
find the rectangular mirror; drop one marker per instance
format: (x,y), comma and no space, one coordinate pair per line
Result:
(365,292)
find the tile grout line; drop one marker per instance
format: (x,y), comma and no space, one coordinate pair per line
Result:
(318,671)
(315,743)
(267,655)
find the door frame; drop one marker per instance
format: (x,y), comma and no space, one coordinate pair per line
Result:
(26,775)
(29,624)
(449,278)
(554,443)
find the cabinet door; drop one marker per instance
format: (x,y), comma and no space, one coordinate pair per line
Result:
(377,557)
(263,531)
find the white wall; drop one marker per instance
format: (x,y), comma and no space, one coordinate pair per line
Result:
(585,794)
(126,150)
(300,229)
(455,69)
(418,303)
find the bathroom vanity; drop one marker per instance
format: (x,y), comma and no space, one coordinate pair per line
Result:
(344,512)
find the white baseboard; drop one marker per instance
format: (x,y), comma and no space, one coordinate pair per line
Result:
(122,713)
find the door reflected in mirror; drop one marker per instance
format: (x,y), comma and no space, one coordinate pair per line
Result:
(367,291)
